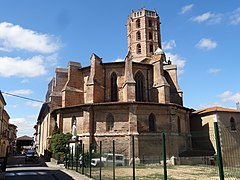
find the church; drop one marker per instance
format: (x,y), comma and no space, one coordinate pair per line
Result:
(138,97)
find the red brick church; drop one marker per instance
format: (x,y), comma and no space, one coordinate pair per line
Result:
(139,96)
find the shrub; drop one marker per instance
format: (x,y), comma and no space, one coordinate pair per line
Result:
(58,143)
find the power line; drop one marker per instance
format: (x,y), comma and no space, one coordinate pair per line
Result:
(15,95)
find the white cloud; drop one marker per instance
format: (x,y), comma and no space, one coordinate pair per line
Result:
(16,37)
(25,81)
(169,44)
(235,17)
(22,92)
(15,105)
(206,44)
(32,116)
(202,106)
(186,8)
(52,59)
(24,127)
(22,67)
(214,70)
(4,49)
(33,104)
(208,17)
(228,96)
(179,61)
(118,60)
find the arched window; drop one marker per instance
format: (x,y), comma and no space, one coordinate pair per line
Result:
(139,49)
(74,126)
(138,36)
(151,48)
(150,36)
(73,121)
(149,23)
(179,125)
(114,87)
(138,23)
(152,123)
(139,88)
(109,122)
(233,124)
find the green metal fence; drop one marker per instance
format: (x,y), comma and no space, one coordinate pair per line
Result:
(214,155)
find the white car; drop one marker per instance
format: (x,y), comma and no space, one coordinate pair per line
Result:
(107,160)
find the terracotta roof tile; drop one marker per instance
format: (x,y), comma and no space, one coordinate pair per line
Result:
(215,109)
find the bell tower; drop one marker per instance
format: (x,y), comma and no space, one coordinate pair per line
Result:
(143,33)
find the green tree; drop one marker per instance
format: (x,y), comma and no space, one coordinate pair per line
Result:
(58,143)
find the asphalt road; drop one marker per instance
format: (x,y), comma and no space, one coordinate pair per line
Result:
(18,169)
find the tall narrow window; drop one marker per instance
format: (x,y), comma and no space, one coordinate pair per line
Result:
(139,88)
(74,126)
(73,121)
(149,23)
(138,23)
(179,125)
(152,123)
(150,48)
(139,49)
(109,122)
(114,87)
(233,124)
(138,35)
(150,36)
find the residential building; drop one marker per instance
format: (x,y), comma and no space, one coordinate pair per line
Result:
(4,121)
(203,135)
(12,138)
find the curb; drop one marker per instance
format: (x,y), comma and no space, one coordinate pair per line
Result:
(73,174)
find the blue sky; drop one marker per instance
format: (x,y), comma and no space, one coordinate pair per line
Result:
(201,37)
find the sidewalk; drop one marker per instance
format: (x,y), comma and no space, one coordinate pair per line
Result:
(73,174)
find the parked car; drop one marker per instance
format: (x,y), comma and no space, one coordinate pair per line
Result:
(30,155)
(107,160)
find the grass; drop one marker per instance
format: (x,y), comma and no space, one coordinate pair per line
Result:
(156,172)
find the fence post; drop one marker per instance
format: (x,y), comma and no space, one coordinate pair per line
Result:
(77,156)
(133,157)
(90,159)
(83,159)
(68,158)
(72,157)
(219,152)
(65,163)
(113,159)
(164,156)
(100,167)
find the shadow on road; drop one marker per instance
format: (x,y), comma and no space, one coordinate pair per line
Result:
(36,174)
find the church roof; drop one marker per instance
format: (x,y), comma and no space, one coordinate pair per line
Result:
(215,109)
(2,99)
